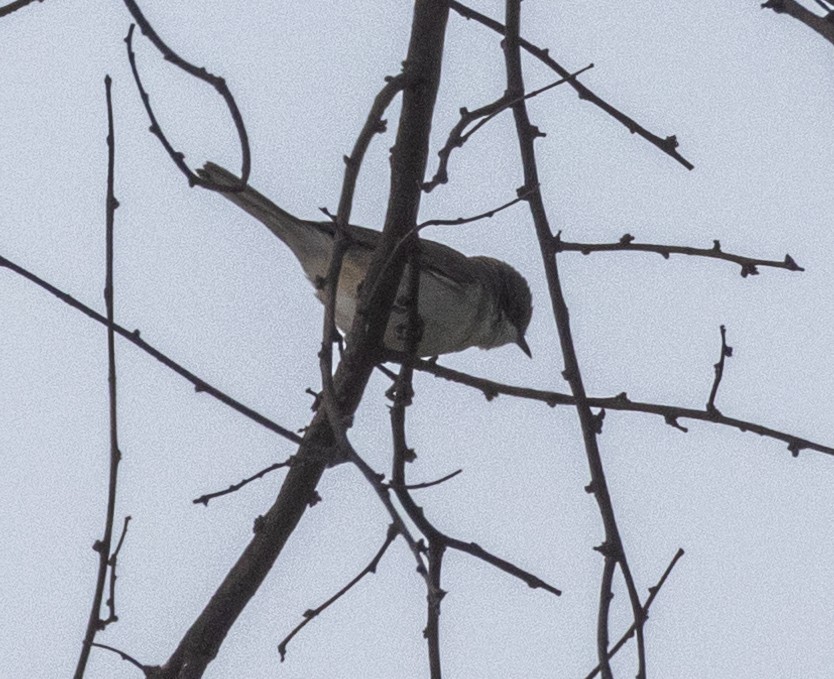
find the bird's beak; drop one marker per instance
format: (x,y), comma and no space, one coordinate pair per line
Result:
(521,342)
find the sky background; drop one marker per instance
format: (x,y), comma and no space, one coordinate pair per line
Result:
(749,95)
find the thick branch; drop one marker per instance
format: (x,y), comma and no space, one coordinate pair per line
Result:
(408,162)
(821,25)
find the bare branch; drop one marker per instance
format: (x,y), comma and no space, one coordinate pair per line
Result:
(218,83)
(671,414)
(749,265)
(112,562)
(134,337)
(458,135)
(653,592)
(312,613)
(522,195)
(201,643)
(14,6)
(668,145)
(124,656)
(95,623)
(527,133)
(332,407)
(821,25)
(432,631)
(429,484)
(204,499)
(605,598)
(726,352)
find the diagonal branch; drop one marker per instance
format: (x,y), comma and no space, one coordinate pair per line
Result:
(233,488)
(14,6)
(202,642)
(821,25)
(135,338)
(522,195)
(312,613)
(668,145)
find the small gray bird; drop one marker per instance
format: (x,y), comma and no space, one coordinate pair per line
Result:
(463,302)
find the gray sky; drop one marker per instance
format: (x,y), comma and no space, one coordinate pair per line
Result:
(749,95)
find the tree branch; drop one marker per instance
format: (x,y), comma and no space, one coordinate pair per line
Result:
(749,265)
(668,145)
(408,161)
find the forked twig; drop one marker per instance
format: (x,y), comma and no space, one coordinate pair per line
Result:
(218,83)
(653,592)
(459,134)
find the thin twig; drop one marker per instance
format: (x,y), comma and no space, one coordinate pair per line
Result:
(437,548)
(429,484)
(457,138)
(112,562)
(522,195)
(726,352)
(312,613)
(204,499)
(218,83)
(474,549)
(459,135)
(134,337)
(749,265)
(95,622)
(124,656)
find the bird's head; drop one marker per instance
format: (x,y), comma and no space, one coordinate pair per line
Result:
(513,304)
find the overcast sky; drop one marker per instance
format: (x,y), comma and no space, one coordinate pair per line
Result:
(749,95)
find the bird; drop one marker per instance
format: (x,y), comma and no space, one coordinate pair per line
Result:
(463,301)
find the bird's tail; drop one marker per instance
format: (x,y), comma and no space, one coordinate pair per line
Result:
(308,241)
